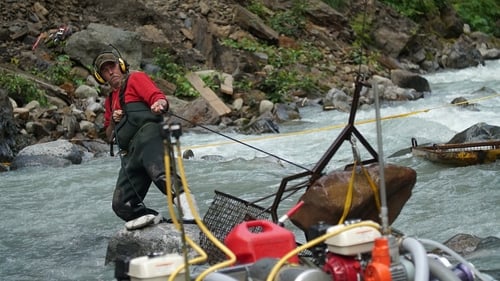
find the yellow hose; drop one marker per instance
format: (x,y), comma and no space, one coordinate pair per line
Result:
(314,242)
(168,185)
(201,225)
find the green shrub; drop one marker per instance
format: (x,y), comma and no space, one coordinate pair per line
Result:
(416,9)
(22,90)
(174,73)
(60,71)
(281,81)
(290,22)
(480,15)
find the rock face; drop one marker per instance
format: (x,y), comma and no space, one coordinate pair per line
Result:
(325,199)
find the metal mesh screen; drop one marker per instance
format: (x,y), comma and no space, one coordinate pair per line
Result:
(223,215)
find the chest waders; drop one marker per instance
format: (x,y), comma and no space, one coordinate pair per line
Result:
(141,154)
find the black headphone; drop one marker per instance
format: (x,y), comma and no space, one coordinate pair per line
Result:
(121,62)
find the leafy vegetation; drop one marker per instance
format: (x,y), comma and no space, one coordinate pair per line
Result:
(174,73)
(479,14)
(290,22)
(60,71)
(416,9)
(22,90)
(280,80)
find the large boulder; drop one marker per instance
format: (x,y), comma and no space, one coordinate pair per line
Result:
(85,45)
(409,80)
(325,199)
(477,132)
(58,153)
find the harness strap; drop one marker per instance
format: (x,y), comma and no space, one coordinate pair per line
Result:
(350,189)
(122,105)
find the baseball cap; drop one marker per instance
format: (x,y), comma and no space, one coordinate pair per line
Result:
(103,58)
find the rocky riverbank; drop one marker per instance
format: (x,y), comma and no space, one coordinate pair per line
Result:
(193,32)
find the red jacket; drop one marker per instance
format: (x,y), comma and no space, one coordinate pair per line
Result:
(139,88)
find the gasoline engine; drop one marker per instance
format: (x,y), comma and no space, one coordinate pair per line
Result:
(362,253)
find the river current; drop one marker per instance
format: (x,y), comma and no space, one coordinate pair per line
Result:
(56,222)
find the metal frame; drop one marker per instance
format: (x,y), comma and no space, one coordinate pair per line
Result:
(345,135)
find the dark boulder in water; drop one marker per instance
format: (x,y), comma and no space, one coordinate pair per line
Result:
(477,132)
(324,200)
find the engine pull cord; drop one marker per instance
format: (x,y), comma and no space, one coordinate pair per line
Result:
(274,271)
(176,132)
(168,160)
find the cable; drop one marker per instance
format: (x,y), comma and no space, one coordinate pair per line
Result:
(240,142)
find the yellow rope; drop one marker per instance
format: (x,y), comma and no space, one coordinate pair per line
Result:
(348,197)
(350,189)
(339,126)
(374,188)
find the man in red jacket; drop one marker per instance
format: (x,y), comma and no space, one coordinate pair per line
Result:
(133,120)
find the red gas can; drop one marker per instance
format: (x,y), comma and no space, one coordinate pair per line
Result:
(272,241)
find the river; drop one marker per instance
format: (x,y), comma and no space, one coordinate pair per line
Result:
(56,222)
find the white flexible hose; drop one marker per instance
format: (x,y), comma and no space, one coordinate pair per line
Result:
(419,255)
(457,257)
(441,272)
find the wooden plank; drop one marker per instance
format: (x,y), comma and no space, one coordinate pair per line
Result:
(213,100)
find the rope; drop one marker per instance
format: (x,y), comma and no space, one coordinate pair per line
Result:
(350,191)
(348,197)
(374,188)
(339,126)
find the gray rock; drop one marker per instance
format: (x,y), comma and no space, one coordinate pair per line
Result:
(58,153)
(477,132)
(408,80)
(157,238)
(86,44)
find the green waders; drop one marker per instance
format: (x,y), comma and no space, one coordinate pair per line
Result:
(142,164)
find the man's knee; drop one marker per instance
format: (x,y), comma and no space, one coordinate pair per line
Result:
(122,210)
